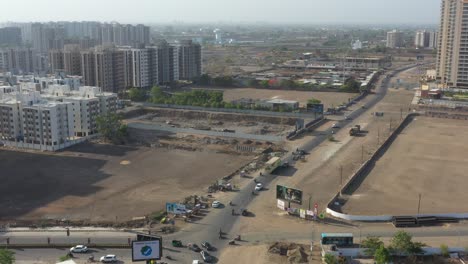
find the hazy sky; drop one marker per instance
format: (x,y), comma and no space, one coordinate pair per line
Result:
(292,11)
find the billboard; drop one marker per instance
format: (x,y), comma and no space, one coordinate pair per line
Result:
(146,250)
(176,208)
(315,108)
(288,194)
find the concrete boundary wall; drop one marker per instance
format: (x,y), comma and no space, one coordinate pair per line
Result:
(361,173)
(23,145)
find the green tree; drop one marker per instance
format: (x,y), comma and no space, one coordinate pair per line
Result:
(204,79)
(444,250)
(402,243)
(351,85)
(264,84)
(136,94)
(314,101)
(330,259)
(110,126)
(371,244)
(382,255)
(253,83)
(7,256)
(157,95)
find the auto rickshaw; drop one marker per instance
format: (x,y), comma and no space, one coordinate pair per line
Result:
(176,243)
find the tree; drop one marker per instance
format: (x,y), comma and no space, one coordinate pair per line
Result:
(265,84)
(204,79)
(110,126)
(371,244)
(313,101)
(402,244)
(382,255)
(444,250)
(351,85)
(330,259)
(136,94)
(7,256)
(157,95)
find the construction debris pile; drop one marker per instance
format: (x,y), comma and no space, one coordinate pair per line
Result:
(296,253)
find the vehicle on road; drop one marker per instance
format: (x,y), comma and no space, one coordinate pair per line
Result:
(216,204)
(258,187)
(108,258)
(79,249)
(338,239)
(356,130)
(335,126)
(347,118)
(177,243)
(205,256)
(196,261)
(244,212)
(207,245)
(194,247)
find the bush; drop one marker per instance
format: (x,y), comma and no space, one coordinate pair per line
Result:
(444,250)
(157,216)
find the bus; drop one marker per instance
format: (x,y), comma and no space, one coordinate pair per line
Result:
(338,239)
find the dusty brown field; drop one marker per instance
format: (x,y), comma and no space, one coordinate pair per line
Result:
(104,183)
(329,99)
(427,158)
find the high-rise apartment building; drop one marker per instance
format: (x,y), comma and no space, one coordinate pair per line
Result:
(168,62)
(72,59)
(56,60)
(17,60)
(452,53)
(189,60)
(394,39)
(421,39)
(10,36)
(433,39)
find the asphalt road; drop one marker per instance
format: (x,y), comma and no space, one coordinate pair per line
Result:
(208,228)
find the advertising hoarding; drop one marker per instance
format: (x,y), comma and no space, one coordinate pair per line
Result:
(146,250)
(288,194)
(175,208)
(315,108)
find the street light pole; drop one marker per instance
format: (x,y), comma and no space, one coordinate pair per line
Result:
(341,179)
(419,203)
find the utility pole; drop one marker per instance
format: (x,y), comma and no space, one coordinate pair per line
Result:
(310,198)
(341,179)
(401,114)
(362,154)
(390,127)
(378,136)
(419,203)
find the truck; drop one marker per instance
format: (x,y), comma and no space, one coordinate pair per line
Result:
(272,164)
(354,131)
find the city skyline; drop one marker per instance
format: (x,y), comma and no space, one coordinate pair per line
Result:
(272,11)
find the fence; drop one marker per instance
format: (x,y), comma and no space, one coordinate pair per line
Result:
(205,132)
(236,111)
(24,145)
(361,173)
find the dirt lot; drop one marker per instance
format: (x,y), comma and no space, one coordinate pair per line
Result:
(329,99)
(105,183)
(428,158)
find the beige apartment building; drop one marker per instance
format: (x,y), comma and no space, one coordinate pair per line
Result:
(452,55)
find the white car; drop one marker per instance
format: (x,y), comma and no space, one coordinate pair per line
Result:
(335,126)
(108,258)
(79,249)
(216,204)
(196,261)
(258,187)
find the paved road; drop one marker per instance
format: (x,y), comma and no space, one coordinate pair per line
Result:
(208,228)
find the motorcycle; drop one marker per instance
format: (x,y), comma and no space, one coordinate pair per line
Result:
(232,242)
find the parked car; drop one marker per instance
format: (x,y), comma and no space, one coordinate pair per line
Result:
(205,256)
(196,261)
(79,249)
(108,258)
(194,247)
(258,187)
(207,245)
(335,126)
(216,204)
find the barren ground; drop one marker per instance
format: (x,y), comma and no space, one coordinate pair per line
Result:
(103,182)
(427,158)
(329,99)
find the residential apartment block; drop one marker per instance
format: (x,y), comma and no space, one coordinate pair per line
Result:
(395,39)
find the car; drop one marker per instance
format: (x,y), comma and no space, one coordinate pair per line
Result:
(335,126)
(194,247)
(216,204)
(207,245)
(108,258)
(196,261)
(244,212)
(347,118)
(258,187)
(79,249)
(205,256)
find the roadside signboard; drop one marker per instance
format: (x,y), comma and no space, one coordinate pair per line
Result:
(302,213)
(288,194)
(280,204)
(146,247)
(176,208)
(315,108)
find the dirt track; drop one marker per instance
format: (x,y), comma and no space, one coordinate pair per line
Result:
(102,182)
(427,158)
